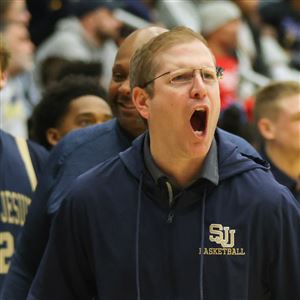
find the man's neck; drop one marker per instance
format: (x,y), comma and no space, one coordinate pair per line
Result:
(289,163)
(180,171)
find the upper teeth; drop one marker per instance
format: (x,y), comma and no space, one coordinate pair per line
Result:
(200,109)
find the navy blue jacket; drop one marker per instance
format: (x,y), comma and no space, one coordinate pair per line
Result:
(15,193)
(112,239)
(282,177)
(76,153)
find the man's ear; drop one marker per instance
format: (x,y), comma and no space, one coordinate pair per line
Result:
(53,136)
(140,99)
(266,128)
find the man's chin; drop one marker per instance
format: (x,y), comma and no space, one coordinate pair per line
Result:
(133,125)
(128,110)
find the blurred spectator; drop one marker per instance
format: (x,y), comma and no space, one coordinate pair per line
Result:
(259,48)
(4,61)
(75,102)
(178,13)
(221,22)
(21,49)
(49,70)
(20,94)
(284,17)
(88,36)
(78,67)
(14,11)
(277,117)
(56,68)
(44,16)
(250,36)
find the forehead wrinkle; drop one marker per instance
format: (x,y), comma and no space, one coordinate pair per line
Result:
(181,51)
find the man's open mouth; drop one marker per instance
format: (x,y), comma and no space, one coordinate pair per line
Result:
(198,120)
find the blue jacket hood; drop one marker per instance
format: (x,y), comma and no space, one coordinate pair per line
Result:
(231,160)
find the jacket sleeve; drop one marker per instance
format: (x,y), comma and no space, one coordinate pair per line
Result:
(39,156)
(284,231)
(65,272)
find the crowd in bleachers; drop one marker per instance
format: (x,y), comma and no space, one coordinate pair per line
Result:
(250,42)
(65,66)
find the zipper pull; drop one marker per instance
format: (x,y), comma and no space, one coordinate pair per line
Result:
(170,193)
(170,217)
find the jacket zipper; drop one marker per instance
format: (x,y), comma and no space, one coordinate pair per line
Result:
(170,219)
(171,202)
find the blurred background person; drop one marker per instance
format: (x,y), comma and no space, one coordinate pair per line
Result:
(4,61)
(89,34)
(50,68)
(55,68)
(277,117)
(72,103)
(284,17)
(20,94)
(249,36)
(14,11)
(260,48)
(250,55)
(221,21)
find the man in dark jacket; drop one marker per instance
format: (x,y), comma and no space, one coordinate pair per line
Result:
(182,214)
(75,154)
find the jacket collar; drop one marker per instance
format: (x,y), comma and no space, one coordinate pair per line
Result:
(209,170)
(230,160)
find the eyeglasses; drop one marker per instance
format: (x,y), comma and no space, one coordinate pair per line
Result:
(183,76)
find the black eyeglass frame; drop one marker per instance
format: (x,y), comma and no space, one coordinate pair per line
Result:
(219,73)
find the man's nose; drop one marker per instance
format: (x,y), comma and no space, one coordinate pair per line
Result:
(198,89)
(125,88)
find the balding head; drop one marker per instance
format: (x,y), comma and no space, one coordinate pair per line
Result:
(119,91)
(138,38)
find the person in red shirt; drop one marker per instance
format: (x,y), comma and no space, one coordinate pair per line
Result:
(221,34)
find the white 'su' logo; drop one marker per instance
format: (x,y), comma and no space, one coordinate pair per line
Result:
(221,235)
